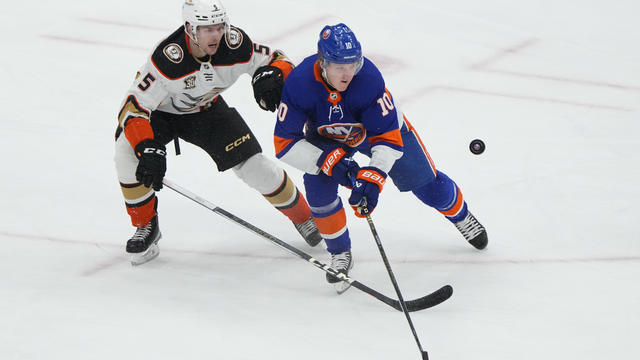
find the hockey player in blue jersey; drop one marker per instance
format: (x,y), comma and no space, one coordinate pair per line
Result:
(334,104)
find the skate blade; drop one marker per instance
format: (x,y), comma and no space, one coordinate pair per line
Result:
(341,287)
(152,252)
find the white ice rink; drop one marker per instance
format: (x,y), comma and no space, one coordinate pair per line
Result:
(552,87)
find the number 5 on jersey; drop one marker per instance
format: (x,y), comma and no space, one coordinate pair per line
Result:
(146,82)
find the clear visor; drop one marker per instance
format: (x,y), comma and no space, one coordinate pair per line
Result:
(352,67)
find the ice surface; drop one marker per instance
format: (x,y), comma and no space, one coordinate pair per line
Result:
(552,88)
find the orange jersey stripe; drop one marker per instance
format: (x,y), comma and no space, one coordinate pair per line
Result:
(281,143)
(426,153)
(138,129)
(285,66)
(332,223)
(333,97)
(393,137)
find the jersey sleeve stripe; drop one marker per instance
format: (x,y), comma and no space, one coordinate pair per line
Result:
(131,108)
(282,145)
(393,138)
(285,66)
(138,129)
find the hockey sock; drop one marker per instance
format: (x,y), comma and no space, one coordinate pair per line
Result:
(445,196)
(141,203)
(290,201)
(332,225)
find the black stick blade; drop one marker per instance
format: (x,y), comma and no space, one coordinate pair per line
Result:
(437,297)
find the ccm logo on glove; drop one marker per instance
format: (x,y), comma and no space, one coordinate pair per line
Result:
(151,150)
(267,87)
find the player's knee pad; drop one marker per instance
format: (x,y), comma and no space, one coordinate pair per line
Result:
(260,173)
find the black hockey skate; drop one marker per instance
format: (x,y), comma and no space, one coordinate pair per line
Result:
(309,231)
(143,246)
(342,262)
(473,231)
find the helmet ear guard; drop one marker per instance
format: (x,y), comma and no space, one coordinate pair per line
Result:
(338,44)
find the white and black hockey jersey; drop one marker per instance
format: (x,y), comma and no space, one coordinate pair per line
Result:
(174,81)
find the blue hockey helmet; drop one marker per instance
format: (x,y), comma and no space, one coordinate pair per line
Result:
(338,44)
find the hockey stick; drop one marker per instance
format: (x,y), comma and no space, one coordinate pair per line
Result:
(405,310)
(424,302)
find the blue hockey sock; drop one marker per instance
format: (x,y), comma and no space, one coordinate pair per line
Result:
(443,195)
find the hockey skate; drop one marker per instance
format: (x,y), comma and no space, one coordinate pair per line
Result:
(143,246)
(342,262)
(309,231)
(473,231)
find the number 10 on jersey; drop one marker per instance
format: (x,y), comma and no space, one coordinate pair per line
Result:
(385,103)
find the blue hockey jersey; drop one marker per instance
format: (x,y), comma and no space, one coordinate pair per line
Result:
(363,117)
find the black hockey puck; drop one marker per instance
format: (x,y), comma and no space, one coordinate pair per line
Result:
(477,146)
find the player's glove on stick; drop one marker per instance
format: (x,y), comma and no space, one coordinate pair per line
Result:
(337,165)
(152,163)
(369,183)
(267,87)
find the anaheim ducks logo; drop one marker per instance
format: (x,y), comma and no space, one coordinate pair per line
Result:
(234,38)
(173,52)
(348,134)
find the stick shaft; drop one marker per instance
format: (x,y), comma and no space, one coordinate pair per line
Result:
(418,304)
(403,305)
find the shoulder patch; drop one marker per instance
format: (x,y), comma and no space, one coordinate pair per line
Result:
(171,56)
(236,48)
(234,38)
(174,52)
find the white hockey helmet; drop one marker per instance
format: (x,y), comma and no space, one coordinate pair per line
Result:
(203,12)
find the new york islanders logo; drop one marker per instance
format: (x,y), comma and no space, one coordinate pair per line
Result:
(348,134)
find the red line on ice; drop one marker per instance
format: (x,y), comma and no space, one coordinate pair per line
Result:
(262,256)
(484,66)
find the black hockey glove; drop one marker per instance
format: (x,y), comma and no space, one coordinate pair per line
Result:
(267,87)
(152,165)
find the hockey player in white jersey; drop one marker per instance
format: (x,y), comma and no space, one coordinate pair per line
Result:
(176,94)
